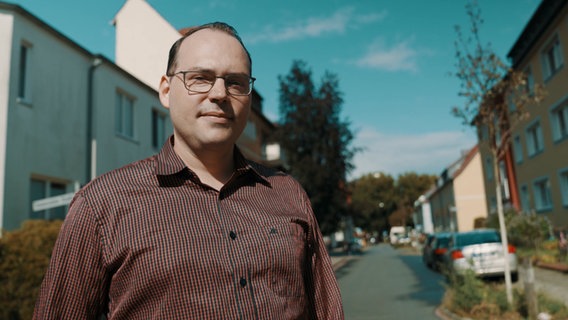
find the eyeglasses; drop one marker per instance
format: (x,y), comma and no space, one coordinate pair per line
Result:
(202,82)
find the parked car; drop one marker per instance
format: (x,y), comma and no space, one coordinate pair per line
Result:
(435,248)
(398,236)
(481,251)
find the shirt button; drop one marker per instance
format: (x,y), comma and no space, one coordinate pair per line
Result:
(243,282)
(233,235)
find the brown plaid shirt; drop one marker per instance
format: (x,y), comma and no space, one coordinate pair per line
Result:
(149,241)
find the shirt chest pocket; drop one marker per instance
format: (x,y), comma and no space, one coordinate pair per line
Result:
(287,245)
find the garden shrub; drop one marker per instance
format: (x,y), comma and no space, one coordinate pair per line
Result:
(474,298)
(468,291)
(24,257)
(523,230)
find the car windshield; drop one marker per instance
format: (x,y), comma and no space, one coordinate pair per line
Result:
(477,238)
(443,242)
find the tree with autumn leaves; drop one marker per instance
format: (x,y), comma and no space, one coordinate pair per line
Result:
(497,98)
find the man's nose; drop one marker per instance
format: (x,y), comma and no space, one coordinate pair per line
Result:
(218,91)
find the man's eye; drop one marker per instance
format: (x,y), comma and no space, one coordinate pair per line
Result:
(236,81)
(199,77)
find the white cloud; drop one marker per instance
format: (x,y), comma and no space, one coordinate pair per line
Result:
(313,27)
(426,153)
(399,57)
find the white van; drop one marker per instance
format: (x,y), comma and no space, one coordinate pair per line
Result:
(396,234)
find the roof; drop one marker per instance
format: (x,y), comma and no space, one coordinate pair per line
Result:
(544,15)
(466,159)
(45,26)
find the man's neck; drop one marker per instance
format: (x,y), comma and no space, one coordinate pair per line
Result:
(214,167)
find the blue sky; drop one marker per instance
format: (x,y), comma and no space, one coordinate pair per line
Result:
(393,59)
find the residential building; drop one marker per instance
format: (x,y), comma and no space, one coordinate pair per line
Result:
(537,168)
(422,215)
(66,116)
(458,198)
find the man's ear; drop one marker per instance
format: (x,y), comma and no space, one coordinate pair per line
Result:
(164,91)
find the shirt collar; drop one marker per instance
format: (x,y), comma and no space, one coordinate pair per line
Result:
(169,163)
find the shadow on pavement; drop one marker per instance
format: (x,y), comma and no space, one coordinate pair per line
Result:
(429,286)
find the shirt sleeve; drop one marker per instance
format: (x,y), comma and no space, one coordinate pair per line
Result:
(322,287)
(75,285)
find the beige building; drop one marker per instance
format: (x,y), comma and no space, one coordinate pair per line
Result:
(539,155)
(459,196)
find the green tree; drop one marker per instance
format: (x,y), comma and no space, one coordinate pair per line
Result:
(372,201)
(317,142)
(379,201)
(496,99)
(409,186)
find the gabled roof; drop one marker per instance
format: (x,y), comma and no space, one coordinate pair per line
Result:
(466,159)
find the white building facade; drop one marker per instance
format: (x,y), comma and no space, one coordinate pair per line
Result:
(66,116)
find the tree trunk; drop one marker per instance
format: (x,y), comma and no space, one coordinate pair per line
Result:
(503,229)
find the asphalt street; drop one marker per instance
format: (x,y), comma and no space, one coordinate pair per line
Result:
(386,283)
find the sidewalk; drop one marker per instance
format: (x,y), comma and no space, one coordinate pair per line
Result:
(339,258)
(550,282)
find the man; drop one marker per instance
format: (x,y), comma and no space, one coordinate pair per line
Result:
(197,231)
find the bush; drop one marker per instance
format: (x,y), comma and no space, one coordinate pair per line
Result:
(24,257)
(468,291)
(523,230)
(471,297)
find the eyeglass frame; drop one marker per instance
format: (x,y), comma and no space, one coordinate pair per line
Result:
(183,79)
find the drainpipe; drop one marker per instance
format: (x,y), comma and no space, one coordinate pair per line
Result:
(91,156)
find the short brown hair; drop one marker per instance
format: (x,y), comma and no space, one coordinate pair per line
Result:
(221,26)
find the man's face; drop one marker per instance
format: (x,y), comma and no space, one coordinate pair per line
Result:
(214,119)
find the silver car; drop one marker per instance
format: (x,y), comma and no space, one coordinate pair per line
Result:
(481,251)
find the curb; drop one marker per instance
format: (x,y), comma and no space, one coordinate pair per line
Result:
(336,266)
(560,267)
(445,314)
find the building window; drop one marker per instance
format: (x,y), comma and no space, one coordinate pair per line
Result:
(551,58)
(504,181)
(530,81)
(489,168)
(542,197)
(483,132)
(525,204)
(564,186)
(534,139)
(24,77)
(518,149)
(41,189)
(158,129)
(559,120)
(124,115)
(497,129)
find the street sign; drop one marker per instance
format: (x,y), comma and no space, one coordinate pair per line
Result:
(52,202)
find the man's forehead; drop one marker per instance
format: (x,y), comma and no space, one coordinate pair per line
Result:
(206,42)
(209,36)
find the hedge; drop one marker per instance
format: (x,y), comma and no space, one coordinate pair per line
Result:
(24,257)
